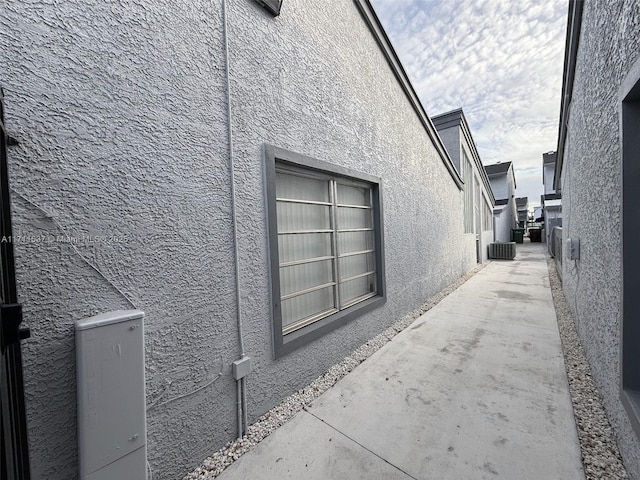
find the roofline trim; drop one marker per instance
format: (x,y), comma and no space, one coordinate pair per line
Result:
(370,17)
(574,25)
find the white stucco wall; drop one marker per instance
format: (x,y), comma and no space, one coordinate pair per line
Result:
(120,111)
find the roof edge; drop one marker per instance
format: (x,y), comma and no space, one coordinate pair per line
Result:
(370,17)
(574,25)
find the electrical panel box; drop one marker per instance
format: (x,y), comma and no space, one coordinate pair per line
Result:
(111,396)
(573,248)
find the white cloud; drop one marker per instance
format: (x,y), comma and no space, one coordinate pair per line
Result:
(500,60)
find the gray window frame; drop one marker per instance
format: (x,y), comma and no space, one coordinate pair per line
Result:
(629,97)
(273,157)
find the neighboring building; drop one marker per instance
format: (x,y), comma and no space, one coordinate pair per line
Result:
(597,172)
(478,197)
(538,215)
(143,171)
(505,213)
(551,199)
(522,204)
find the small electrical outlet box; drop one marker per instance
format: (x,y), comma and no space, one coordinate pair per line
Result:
(241,368)
(573,248)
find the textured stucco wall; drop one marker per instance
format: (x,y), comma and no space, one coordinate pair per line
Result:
(591,189)
(120,112)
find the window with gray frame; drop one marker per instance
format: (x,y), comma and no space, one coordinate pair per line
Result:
(630,126)
(325,244)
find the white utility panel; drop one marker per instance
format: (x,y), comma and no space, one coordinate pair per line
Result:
(111,396)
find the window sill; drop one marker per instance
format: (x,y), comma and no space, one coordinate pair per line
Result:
(287,343)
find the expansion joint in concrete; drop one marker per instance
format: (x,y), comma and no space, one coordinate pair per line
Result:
(361,445)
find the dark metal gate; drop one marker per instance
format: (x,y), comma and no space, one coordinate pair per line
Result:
(14,447)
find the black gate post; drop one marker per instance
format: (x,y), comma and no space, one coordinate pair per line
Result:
(14,451)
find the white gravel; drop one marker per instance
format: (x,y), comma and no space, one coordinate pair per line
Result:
(600,455)
(212,466)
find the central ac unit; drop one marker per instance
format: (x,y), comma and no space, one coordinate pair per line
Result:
(506,251)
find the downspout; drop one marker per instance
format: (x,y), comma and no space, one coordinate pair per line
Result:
(240,382)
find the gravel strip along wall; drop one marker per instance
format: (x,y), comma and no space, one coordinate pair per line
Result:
(212,466)
(600,454)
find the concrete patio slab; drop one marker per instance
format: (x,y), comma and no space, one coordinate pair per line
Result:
(287,453)
(475,388)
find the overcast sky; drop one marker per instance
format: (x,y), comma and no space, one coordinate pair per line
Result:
(499,60)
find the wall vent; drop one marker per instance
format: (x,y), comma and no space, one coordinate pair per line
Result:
(506,251)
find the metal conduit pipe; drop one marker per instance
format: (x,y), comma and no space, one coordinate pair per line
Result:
(239,405)
(244,404)
(241,393)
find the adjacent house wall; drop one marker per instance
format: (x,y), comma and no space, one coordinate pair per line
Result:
(503,223)
(591,183)
(552,218)
(455,133)
(551,200)
(547,178)
(500,187)
(121,114)
(522,206)
(482,240)
(505,220)
(505,215)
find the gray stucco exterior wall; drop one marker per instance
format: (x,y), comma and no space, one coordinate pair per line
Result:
(591,199)
(120,111)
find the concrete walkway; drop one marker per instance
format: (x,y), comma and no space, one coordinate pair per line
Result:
(475,388)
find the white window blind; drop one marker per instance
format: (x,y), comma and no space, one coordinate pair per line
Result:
(326,246)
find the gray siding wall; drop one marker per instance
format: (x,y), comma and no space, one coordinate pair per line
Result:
(120,111)
(591,199)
